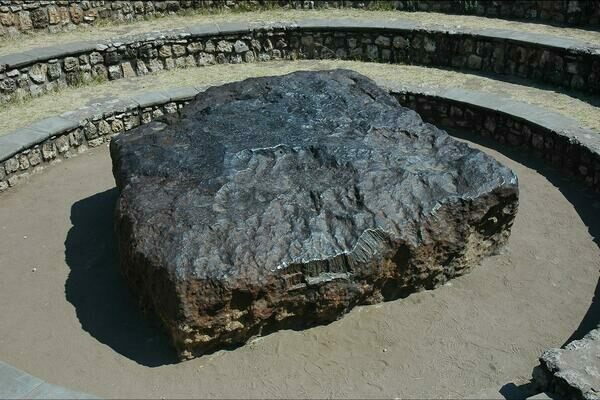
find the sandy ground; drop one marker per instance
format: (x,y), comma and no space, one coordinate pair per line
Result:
(583,109)
(72,322)
(107,29)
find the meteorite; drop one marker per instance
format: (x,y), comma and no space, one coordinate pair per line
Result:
(283,202)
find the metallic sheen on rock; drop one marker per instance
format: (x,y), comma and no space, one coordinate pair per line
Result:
(283,202)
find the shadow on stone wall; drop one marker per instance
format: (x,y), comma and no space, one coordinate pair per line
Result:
(104,304)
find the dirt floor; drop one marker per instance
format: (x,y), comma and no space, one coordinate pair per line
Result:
(584,109)
(68,317)
(107,29)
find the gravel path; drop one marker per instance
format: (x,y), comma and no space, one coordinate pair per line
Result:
(16,115)
(72,322)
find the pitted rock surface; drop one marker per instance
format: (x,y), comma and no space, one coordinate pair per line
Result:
(283,202)
(572,372)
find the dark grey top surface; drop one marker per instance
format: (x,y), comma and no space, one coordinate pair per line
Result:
(266,172)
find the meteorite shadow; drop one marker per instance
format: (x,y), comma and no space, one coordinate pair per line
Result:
(105,307)
(586,203)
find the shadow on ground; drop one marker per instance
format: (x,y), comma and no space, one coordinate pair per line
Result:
(585,202)
(108,311)
(105,307)
(587,205)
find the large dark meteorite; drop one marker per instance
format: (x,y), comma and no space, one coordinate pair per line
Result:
(283,202)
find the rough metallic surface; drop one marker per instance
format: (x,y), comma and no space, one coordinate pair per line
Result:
(283,202)
(572,372)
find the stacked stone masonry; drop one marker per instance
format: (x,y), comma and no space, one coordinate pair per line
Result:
(554,145)
(91,132)
(17,16)
(558,64)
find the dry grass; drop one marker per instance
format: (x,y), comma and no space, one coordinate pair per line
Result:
(17,115)
(108,29)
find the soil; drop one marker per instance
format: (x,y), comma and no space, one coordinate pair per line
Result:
(68,317)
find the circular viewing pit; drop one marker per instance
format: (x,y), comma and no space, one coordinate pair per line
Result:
(470,337)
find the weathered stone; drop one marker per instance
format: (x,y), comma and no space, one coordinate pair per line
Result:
(429,45)
(54,71)
(285,201)
(195,47)
(75,138)
(240,46)
(104,128)
(209,47)
(24,21)
(474,62)
(115,72)
(205,59)
(383,41)
(249,57)
(307,41)
(7,19)
(372,52)
(35,157)
(90,131)
(39,18)
(180,62)
(95,142)
(11,165)
(100,71)
(8,85)
(70,64)
(23,162)
(189,61)
(128,71)
(131,121)
(572,372)
(169,63)
(76,13)
(117,126)
(48,150)
(113,57)
(13,180)
(53,15)
(37,73)
(96,58)
(165,51)
(140,68)
(178,50)
(224,46)
(155,65)
(62,143)
(147,52)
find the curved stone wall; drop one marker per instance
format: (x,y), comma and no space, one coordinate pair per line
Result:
(550,136)
(555,61)
(18,16)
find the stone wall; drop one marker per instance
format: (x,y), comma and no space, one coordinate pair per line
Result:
(89,132)
(545,142)
(558,62)
(554,138)
(567,12)
(17,16)
(571,372)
